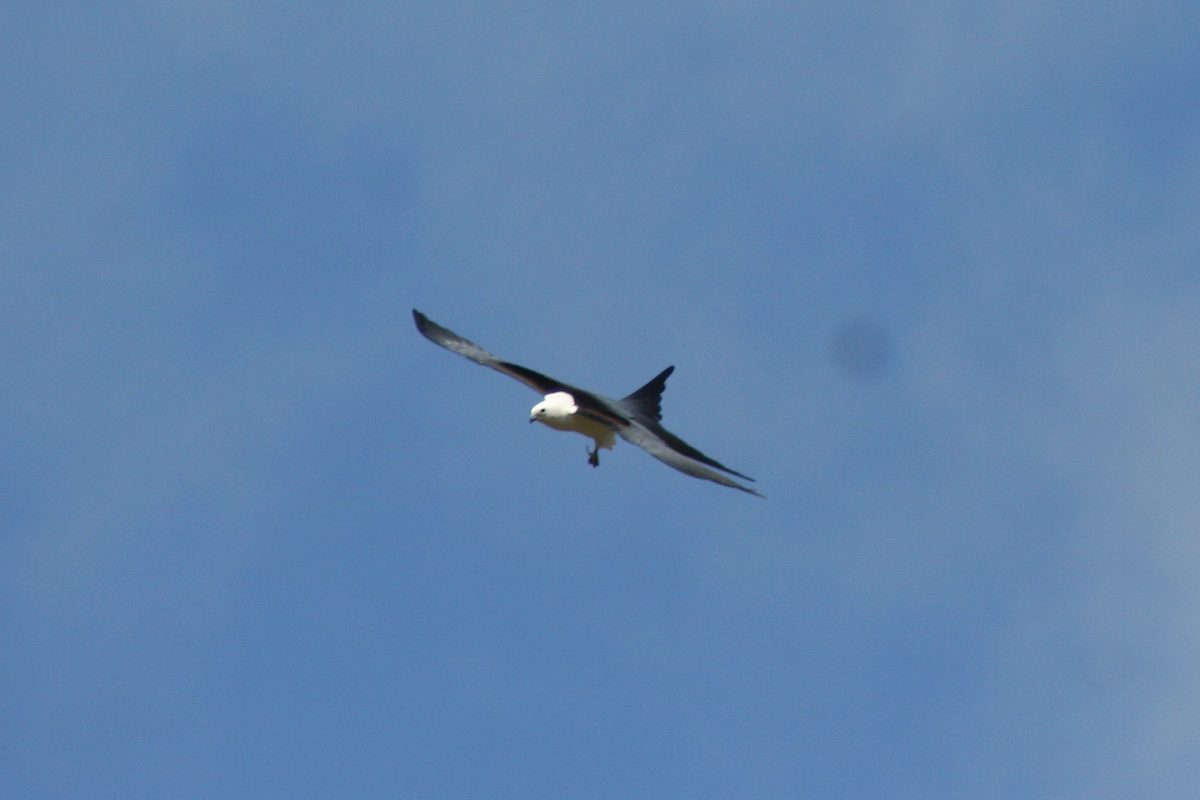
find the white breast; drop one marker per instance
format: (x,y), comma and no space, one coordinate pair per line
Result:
(559,412)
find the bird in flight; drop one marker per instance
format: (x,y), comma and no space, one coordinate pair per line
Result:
(634,418)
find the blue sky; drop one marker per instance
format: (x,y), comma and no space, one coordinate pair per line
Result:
(260,539)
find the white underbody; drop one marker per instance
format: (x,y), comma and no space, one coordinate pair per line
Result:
(558,411)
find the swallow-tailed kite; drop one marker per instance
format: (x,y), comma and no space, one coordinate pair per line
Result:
(565,408)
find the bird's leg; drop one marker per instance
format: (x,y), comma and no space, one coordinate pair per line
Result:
(594,456)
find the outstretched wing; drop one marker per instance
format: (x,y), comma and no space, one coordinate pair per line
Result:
(666,449)
(646,407)
(684,449)
(590,405)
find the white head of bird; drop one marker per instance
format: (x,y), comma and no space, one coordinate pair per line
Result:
(554,410)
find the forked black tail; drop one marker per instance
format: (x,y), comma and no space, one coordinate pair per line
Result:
(648,399)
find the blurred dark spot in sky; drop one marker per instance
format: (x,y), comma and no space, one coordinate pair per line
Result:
(860,349)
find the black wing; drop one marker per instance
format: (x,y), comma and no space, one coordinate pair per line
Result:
(685,449)
(646,405)
(666,450)
(594,406)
